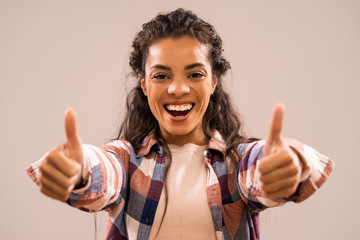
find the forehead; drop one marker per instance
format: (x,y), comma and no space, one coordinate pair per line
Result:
(179,51)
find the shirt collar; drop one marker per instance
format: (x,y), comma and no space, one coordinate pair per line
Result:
(147,144)
(216,143)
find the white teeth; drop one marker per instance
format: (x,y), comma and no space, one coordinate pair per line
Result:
(183,107)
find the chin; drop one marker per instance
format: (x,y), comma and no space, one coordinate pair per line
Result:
(180,130)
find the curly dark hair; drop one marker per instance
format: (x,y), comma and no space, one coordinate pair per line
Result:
(220,115)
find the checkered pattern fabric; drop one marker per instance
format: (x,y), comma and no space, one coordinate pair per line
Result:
(128,185)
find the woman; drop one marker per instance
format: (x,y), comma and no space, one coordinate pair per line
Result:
(185,169)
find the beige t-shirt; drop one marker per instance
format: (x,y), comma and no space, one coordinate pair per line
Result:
(188,214)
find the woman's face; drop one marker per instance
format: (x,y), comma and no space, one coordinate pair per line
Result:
(178,83)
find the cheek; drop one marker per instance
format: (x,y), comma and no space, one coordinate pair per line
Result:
(154,98)
(205,93)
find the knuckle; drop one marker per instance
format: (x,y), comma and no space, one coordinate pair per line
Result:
(265,188)
(42,167)
(288,193)
(261,167)
(51,155)
(45,160)
(43,190)
(41,180)
(293,170)
(67,183)
(60,196)
(66,192)
(291,183)
(285,192)
(262,178)
(294,180)
(75,169)
(72,172)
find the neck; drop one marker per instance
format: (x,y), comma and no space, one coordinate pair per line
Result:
(180,140)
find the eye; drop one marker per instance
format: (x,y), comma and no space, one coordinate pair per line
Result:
(196,75)
(161,76)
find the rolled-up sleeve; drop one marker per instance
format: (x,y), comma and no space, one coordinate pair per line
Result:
(104,176)
(316,169)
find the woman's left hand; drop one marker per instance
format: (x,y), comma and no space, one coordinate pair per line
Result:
(280,168)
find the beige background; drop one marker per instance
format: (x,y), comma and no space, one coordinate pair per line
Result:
(59,54)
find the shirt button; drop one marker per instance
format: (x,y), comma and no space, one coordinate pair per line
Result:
(206,154)
(160,150)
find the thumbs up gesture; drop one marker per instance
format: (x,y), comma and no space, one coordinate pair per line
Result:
(280,168)
(60,171)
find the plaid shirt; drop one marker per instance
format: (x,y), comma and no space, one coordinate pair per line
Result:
(128,185)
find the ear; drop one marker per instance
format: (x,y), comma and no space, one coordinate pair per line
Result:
(213,84)
(142,82)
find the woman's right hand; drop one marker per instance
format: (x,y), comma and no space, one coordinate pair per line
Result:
(61,169)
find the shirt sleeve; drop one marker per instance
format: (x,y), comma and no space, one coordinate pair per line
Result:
(316,169)
(104,174)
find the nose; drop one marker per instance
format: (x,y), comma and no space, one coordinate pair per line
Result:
(178,87)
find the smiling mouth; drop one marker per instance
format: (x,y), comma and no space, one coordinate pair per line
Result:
(179,110)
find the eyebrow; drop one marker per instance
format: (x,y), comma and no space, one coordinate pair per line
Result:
(161,67)
(193,65)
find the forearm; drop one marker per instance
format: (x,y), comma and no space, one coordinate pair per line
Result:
(315,169)
(104,175)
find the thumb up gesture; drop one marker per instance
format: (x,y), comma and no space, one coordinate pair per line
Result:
(280,168)
(60,171)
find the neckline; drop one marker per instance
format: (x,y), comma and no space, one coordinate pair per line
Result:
(186,147)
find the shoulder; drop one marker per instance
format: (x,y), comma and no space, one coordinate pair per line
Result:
(121,148)
(249,144)
(119,144)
